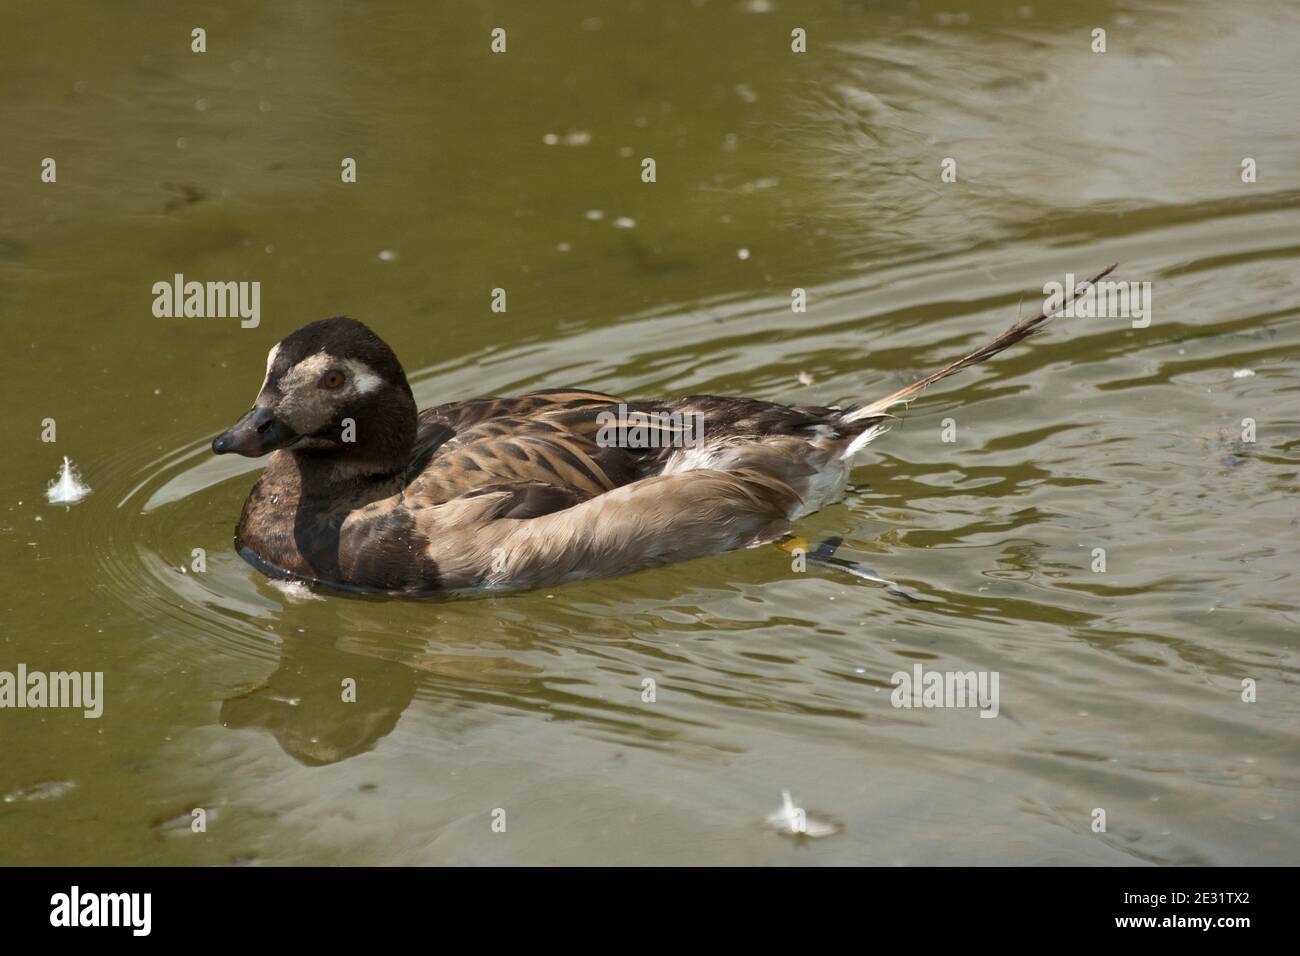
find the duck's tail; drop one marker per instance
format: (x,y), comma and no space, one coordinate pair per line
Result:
(1011,336)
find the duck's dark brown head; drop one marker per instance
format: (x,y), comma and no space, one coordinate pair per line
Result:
(335,391)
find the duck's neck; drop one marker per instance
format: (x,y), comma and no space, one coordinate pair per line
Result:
(328,483)
(294,515)
(370,463)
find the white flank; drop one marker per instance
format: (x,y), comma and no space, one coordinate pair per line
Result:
(697,459)
(863,439)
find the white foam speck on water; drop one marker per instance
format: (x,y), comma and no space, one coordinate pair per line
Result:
(46,790)
(786,820)
(624,222)
(574,137)
(1243,373)
(296,591)
(67,488)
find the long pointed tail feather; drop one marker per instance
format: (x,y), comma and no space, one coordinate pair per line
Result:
(1011,336)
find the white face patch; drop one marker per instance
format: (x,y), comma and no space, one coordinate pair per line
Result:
(362,376)
(307,407)
(270,360)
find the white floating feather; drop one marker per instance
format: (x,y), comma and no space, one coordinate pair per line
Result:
(67,488)
(794,821)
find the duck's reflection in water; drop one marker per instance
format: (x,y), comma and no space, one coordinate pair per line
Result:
(328,701)
(306,706)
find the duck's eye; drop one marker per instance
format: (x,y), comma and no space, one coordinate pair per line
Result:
(331,379)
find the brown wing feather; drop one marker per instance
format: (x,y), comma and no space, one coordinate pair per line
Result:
(554,438)
(544,438)
(526,455)
(527,499)
(510,450)
(460,415)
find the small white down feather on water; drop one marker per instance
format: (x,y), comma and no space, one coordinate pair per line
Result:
(794,821)
(67,488)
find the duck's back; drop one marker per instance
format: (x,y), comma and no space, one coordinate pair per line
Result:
(581,444)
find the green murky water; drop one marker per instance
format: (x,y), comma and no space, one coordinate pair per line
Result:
(1119,690)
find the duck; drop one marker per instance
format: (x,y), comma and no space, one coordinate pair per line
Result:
(365,492)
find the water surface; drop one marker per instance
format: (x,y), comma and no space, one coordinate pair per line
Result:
(1119,690)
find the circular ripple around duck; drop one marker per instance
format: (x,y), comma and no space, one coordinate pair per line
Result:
(145,552)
